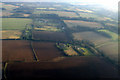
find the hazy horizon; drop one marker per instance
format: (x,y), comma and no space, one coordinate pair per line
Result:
(107,4)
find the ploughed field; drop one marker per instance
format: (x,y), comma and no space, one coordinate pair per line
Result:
(69,68)
(46,51)
(47,35)
(16,50)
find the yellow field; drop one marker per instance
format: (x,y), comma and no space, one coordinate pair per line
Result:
(47,28)
(70,52)
(11,34)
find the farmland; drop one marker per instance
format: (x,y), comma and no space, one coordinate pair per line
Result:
(14,23)
(48,28)
(96,17)
(60,13)
(91,36)
(46,40)
(113,35)
(46,50)
(16,50)
(47,35)
(110,50)
(77,67)
(73,23)
(11,34)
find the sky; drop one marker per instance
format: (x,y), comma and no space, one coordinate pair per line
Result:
(109,4)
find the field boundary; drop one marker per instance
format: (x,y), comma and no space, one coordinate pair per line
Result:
(5,70)
(34,53)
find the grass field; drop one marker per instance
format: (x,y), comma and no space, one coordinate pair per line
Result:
(11,34)
(73,23)
(60,13)
(113,35)
(93,37)
(15,23)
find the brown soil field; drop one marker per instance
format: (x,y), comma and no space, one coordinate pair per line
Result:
(93,37)
(46,51)
(73,23)
(47,35)
(69,68)
(16,50)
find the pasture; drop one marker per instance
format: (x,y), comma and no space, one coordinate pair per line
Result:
(16,50)
(15,23)
(74,23)
(49,36)
(46,51)
(60,13)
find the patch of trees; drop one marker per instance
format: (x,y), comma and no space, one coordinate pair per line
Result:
(111,28)
(79,18)
(45,16)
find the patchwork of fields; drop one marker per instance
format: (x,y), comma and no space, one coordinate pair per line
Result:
(60,13)
(56,41)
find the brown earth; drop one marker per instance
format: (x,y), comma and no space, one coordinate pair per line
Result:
(16,50)
(47,35)
(46,50)
(69,68)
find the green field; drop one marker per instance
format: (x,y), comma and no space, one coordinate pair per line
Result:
(15,23)
(113,35)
